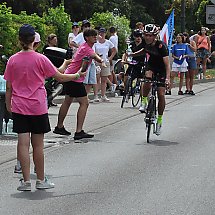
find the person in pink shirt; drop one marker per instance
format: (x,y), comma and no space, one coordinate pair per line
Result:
(76,88)
(26,98)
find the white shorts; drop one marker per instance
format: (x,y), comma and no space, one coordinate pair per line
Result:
(179,68)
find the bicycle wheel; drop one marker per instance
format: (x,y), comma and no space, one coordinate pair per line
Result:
(148,118)
(148,132)
(126,92)
(135,93)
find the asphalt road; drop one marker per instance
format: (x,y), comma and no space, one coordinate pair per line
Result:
(118,173)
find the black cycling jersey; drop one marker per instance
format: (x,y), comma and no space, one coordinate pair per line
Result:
(156,52)
(135,48)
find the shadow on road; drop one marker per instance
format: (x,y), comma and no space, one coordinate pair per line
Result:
(43,194)
(162,143)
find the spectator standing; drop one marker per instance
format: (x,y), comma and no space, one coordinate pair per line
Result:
(21,95)
(51,41)
(179,65)
(203,49)
(114,39)
(212,39)
(192,65)
(76,89)
(102,48)
(72,35)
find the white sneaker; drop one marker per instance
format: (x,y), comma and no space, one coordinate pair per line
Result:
(24,185)
(143,108)
(158,129)
(105,99)
(113,88)
(45,184)
(96,99)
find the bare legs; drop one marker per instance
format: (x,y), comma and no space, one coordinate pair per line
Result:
(38,155)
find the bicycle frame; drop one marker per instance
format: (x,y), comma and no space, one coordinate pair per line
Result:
(151,111)
(131,90)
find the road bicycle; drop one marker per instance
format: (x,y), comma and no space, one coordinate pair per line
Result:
(132,87)
(151,111)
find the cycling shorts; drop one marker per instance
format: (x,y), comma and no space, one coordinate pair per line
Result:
(160,75)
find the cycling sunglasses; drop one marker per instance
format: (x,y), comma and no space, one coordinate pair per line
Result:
(149,35)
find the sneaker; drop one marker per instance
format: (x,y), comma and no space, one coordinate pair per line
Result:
(187,92)
(96,99)
(61,131)
(180,92)
(168,92)
(113,88)
(105,99)
(158,129)
(81,135)
(45,184)
(18,169)
(192,93)
(143,108)
(24,185)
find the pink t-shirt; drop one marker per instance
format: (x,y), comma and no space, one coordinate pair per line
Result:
(26,71)
(82,51)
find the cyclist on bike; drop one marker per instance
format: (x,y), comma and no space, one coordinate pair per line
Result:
(135,45)
(158,66)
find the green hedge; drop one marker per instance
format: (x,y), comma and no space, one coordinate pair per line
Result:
(57,21)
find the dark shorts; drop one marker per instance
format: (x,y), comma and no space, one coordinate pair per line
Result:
(75,89)
(31,124)
(135,71)
(202,53)
(191,63)
(159,74)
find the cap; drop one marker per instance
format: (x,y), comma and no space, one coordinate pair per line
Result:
(85,21)
(75,24)
(102,30)
(37,38)
(27,30)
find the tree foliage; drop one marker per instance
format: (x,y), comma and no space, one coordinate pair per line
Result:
(121,23)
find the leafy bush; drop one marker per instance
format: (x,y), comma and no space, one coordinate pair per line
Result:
(121,23)
(61,20)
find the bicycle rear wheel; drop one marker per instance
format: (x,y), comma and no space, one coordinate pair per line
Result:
(135,93)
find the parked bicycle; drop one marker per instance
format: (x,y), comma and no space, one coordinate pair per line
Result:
(132,87)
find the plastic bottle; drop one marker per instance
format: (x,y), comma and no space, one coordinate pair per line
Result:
(85,63)
(2,84)
(129,51)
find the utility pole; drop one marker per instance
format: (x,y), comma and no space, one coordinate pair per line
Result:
(183,16)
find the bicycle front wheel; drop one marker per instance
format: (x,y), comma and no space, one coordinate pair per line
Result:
(126,92)
(135,94)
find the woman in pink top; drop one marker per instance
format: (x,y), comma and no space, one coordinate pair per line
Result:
(203,49)
(26,99)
